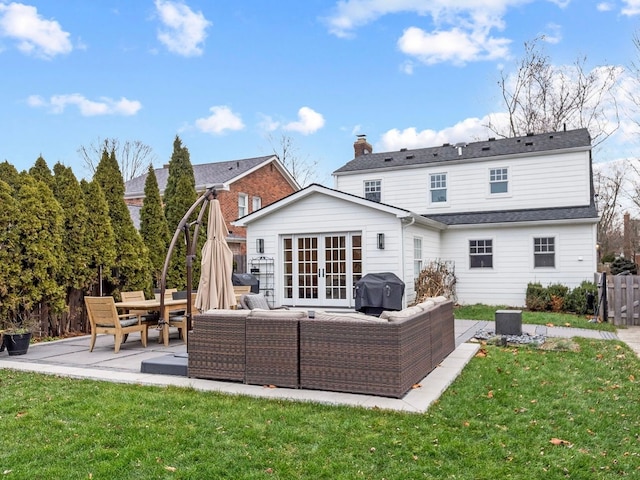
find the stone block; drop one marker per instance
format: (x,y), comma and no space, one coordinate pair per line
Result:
(508,322)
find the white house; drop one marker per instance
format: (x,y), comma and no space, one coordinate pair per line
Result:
(504,212)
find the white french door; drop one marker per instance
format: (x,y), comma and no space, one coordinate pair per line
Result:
(321,269)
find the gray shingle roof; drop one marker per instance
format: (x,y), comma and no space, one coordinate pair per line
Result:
(205,174)
(488,148)
(510,216)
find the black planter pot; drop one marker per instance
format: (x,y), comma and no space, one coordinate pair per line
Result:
(17,343)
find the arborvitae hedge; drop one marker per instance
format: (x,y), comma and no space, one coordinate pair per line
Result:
(132,267)
(179,195)
(153,225)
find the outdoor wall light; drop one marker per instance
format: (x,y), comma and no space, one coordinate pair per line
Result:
(260,245)
(381,241)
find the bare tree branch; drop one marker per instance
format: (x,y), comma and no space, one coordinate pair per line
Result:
(540,97)
(133,156)
(304,170)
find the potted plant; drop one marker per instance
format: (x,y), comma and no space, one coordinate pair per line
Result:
(16,332)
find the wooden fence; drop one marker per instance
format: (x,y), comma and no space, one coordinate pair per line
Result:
(621,299)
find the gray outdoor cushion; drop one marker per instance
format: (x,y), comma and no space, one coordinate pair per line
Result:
(256,300)
(260,313)
(400,315)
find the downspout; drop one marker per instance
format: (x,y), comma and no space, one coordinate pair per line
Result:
(402,251)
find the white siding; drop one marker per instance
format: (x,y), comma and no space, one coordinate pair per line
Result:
(319,214)
(430,250)
(541,181)
(506,282)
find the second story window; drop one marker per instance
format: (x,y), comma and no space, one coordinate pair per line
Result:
(243,200)
(499,180)
(257,204)
(372,190)
(438,187)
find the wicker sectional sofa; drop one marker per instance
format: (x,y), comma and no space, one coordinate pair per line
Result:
(353,353)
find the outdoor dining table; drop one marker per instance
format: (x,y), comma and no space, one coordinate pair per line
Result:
(154,306)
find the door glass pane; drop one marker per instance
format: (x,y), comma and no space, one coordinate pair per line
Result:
(335,268)
(287,247)
(307,268)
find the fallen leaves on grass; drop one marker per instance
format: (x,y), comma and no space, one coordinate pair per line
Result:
(482,353)
(560,442)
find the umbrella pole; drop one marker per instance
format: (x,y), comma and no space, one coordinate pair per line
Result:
(183,225)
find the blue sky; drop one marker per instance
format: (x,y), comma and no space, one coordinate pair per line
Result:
(227,75)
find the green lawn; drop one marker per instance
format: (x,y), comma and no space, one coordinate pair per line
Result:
(487,312)
(514,413)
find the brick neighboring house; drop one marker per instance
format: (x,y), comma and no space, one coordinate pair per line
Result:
(243,186)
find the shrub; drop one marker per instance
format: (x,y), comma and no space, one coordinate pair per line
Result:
(557,294)
(621,264)
(537,297)
(577,302)
(608,257)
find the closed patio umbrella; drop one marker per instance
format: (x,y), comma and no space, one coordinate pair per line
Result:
(215,289)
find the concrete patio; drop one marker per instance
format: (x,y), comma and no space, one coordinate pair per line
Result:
(71,358)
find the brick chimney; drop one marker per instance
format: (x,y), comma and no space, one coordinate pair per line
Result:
(361,146)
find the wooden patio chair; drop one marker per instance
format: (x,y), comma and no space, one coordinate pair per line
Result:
(104,318)
(180,320)
(146,316)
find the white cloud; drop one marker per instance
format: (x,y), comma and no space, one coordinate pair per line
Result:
(34,35)
(309,121)
(632,7)
(461,31)
(553,34)
(221,120)
(88,108)
(468,130)
(267,123)
(455,46)
(184,30)
(604,7)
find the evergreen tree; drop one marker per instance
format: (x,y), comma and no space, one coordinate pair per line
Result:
(39,223)
(9,251)
(10,175)
(153,225)
(75,271)
(179,196)
(40,171)
(101,240)
(133,270)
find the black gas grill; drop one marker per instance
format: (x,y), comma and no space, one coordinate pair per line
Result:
(376,292)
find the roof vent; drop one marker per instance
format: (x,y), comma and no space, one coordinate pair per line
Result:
(388,159)
(409,157)
(484,149)
(550,136)
(528,144)
(403,149)
(529,134)
(435,154)
(446,144)
(492,139)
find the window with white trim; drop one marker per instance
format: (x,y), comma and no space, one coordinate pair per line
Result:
(243,200)
(438,187)
(417,256)
(499,180)
(481,253)
(544,252)
(373,190)
(256,203)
